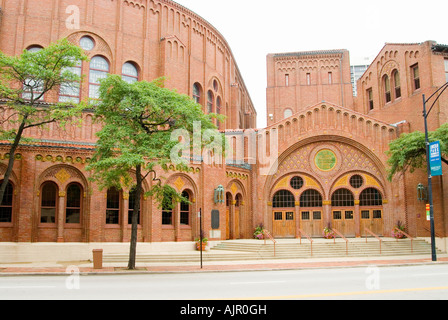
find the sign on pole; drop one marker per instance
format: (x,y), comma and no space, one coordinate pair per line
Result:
(428,212)
(435,159)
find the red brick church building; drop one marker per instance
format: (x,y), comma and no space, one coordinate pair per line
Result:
(328,146)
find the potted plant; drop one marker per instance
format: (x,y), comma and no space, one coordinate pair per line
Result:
(397,231)
(328,233)
(204,243)
(258,233)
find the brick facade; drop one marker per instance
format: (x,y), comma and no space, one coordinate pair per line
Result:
(328,138)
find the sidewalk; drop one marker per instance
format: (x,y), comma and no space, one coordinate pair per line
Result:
(86,267)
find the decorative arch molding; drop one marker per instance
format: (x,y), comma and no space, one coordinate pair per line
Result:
(62,175)
(12,178)
(101,45)
(377,167)
(282,183)
(235,187)
(181,182)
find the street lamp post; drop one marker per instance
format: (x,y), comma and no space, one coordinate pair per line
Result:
(430,197)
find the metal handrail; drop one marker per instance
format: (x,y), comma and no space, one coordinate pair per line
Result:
(308,237)
(409,237)
(267,233)
(378,238)
(346,240)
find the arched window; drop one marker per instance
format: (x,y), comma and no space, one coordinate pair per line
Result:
(185,210)
(397,84)
(210,101)
(132,201)
(70,92)
(99,69)
(33,88)
(197,93)
(386,83)
(6,206)
(370,197)
(287,113)
(113,206)
(218,110)
(311,199)
(167,211)
(342,198)
(48,202)
(129,72)
(73,204)
(283,199)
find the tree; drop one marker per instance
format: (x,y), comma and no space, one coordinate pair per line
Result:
(137,122)
(409,151)
(24,80)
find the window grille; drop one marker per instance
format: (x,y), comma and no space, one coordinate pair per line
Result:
(370,197)
(296,183)
(356,181)
(342,198)
(283,199)
(310,199)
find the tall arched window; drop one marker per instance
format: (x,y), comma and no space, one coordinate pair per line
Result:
(210,101)
(129,72)
(99,69)
(73,204)
(370,197)
(33,88)
(311,199)
(167,211)
(342,198)
(6,206)
(386,83)
(185,210)
(48,202)
(70,92)
(397,84)
(283,199)
(197,93)
(113,206)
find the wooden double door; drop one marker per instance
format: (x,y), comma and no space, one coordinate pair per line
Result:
(345,221)
(285,223)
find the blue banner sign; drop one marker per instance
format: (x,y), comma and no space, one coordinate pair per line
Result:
(435,159)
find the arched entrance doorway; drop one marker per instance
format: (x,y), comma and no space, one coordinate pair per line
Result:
(371,207)
(311,218)
(284,220)
(343,212)
(229,200)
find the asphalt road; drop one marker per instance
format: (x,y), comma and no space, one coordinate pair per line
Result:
(429,282)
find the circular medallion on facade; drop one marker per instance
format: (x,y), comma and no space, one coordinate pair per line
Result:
(325,160)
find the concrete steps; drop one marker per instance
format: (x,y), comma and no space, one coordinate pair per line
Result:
(291,249)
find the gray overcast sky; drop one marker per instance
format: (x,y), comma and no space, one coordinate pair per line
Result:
(254,28)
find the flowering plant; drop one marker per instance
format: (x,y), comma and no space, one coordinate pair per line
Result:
(328,233)
(258,234)
(397,231)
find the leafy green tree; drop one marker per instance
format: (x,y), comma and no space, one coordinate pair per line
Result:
(137,121)
(409,151)
(24,81)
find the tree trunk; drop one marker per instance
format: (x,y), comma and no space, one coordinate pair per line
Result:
(138,194)
(12,154)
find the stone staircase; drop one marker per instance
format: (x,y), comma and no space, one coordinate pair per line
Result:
(286,249)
